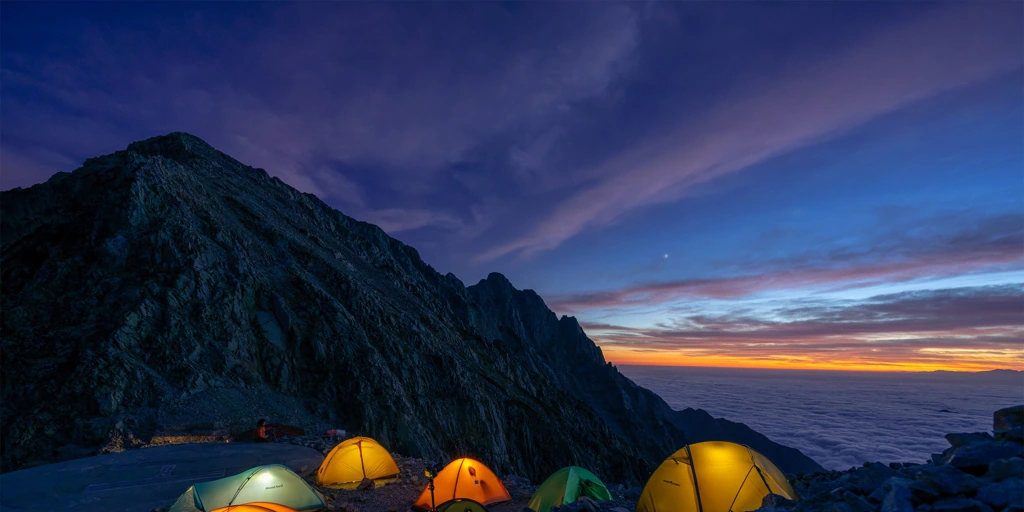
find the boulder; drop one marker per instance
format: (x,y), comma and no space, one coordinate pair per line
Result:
(846,501)
(365,485)
(945,479)
(585,504)
(1015,435)
(1006,468)
(1008,418)
(633,493)
(1001,494)
(866,479)
(956,440)
(896,494)
(774,501)
(975,458)
(960,505)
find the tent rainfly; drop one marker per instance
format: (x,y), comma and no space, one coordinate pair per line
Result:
(566,486)
(267,486)
(464,479)
(353,460)
(713,476)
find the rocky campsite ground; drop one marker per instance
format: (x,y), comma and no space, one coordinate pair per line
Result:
(979,472)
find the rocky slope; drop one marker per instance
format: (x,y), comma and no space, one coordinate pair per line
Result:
(168,287)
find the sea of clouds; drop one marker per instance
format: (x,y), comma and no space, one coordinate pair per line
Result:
(841,419)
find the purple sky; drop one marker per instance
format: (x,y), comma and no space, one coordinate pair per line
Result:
(844,178)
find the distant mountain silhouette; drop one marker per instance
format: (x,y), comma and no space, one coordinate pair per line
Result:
(169,287)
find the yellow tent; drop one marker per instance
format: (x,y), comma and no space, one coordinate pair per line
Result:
(467,479)
(713,476)
(353,460)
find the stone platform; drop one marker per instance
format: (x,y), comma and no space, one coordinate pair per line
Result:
(140,480)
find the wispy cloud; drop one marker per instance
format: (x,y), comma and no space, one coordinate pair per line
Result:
(951,48)
(328,89)
(977,326)
(463,97)
(989,244)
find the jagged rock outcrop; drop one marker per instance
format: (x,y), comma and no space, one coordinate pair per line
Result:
(169,287)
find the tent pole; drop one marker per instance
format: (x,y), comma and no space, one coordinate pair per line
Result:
(361,464)
(693,469)
(239,489)
(455,488)
(754,463)
(763,479)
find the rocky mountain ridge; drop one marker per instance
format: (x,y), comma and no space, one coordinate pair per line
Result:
(170,287)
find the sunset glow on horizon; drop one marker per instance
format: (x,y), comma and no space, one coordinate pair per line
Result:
(963,362)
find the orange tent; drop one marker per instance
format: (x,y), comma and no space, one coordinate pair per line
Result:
(258,506)
(466,479)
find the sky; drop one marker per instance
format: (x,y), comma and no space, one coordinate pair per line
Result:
(818,185)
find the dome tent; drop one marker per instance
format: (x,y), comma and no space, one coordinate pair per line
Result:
(461,505)
(256,507)
(565,486)
(464,479)
(265,486)
(353,460)
(713,476)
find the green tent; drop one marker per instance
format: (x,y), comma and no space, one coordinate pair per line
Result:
(272,483)
(461,505)
(565,486)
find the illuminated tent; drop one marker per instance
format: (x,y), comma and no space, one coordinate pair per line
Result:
(267,486)
(461,505)
(713,476)
(565,486)
(464,479)
(352,461)
(256,507)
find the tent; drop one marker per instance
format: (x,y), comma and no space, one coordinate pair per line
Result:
(461,505)
(713,476)
(353,460)
(464,479)
(267,486)
(565,486)
(256,507)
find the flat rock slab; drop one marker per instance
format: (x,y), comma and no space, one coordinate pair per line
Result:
(140,480)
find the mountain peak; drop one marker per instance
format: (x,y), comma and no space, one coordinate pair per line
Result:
(178,146)
(173,280)
(498,278)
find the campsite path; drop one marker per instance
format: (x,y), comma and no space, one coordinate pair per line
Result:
(141,480)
